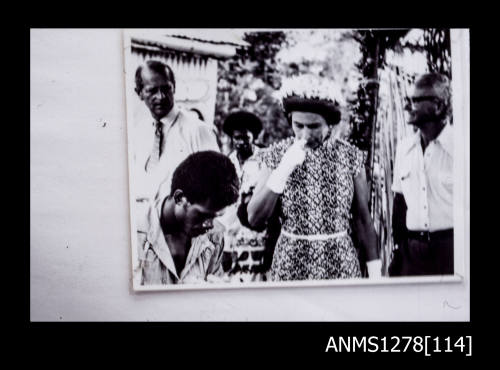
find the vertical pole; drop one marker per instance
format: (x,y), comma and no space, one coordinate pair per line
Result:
(373,94)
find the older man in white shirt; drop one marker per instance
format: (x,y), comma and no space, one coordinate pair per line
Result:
(423,183)
(173,133)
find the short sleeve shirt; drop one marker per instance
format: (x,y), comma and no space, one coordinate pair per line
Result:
(156,262)
(426,181)
(183,135)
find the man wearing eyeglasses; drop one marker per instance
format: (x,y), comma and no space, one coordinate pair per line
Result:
(173,133)
(423,183)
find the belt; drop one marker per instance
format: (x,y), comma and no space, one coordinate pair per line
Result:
(428,235)
(314,236)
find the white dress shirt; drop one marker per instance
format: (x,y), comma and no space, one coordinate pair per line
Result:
(426,181)
(182,136)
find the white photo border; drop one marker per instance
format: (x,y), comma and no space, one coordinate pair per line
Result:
(460,63)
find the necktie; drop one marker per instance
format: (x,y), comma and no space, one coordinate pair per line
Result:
(156,152)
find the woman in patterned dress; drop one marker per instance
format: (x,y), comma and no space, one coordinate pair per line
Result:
(318,182)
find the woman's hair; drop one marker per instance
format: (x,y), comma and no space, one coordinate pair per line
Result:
(308,93)
(207,176)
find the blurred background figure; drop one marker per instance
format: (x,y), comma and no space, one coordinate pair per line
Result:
(243,128)
(244,248)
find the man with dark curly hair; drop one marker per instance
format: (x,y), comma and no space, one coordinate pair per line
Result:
(179,242)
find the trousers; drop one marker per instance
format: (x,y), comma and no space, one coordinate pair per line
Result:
(428,255)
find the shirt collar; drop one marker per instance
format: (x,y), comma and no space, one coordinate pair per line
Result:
(171,117)
(445,138)
(157,240)
(415,140)
(233,156)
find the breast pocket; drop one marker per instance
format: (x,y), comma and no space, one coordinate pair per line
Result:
(405,179)
(446,181)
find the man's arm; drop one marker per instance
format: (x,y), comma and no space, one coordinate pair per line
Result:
(151,268)
(399,210)
(399,207)
(215,271)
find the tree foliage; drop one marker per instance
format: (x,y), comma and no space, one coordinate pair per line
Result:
(373,45)
(438,49)
(252,78)
(250,81)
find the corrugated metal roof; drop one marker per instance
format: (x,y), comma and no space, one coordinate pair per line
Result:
(210,35)
(163,43)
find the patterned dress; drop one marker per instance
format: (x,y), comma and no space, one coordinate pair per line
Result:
(247,246)
(314,242)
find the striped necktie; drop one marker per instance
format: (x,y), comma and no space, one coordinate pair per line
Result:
(154,158)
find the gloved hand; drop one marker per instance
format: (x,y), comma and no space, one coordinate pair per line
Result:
(374,268)
(292,158)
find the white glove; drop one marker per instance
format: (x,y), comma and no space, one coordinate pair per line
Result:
(374,268)
(292,158)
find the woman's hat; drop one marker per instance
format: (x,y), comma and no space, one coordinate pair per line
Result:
(242,120)
(308,93)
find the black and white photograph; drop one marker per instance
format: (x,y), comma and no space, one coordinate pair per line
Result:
(250,175)
(295,157)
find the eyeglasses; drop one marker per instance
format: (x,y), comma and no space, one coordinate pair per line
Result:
(165,89)
(419,99)
(414,100)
